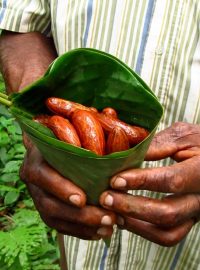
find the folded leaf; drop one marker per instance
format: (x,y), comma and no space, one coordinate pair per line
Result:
(97,79)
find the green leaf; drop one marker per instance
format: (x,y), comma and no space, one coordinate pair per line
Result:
(24,260)
(17,128)
(4,138)
(10,154)
(11,197)
(4,111)
(28,203)
(7,188)
(2,84)
(11,129)
(14,266)
(10,177)
(12,166)
(19,242)
(45,265)
(1,209)
(19,148)
(22,187)
(26,217)
(5,122)
(25,245)
(19,156)
(3,155)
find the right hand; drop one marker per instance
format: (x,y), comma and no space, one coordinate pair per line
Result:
(61,204)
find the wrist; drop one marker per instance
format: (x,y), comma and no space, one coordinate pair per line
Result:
(24,58)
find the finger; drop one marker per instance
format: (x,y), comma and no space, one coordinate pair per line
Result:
(156,234)
(53,208)
(79,230)
(169,212)
(39,173)
(180,136)
(44,202)
(186,154)
(178,178)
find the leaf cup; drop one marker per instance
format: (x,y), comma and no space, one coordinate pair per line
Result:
(97,79)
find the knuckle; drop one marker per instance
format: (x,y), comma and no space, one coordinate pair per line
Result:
(182,129)
(169,217)
(179,126)
(178,130)
(46,207)
(172,181)
(176,183)
(170,240)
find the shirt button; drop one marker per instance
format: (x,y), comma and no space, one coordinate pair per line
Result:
(159,50)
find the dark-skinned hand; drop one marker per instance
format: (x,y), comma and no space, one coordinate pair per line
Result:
(168,220)
(61,204)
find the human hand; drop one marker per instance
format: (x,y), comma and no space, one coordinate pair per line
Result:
(166,221)
(15,49)
(61,204)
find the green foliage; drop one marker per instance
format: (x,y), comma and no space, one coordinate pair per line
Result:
(26,243)
(11,156)
(2,85)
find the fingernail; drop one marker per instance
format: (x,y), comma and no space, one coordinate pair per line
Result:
(75,199)
(108,200)
(106,220)
(102,231)
(120,221)
(119,182)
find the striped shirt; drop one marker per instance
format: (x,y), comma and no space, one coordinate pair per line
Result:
(159,39)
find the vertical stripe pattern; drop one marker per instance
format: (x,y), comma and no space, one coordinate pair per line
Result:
(3,9)
(89,15)
(144,35)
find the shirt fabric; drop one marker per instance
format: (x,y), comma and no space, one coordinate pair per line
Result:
(159,39)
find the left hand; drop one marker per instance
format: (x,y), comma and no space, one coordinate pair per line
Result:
(166,221)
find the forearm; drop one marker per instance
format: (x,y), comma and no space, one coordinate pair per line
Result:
(24,58)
